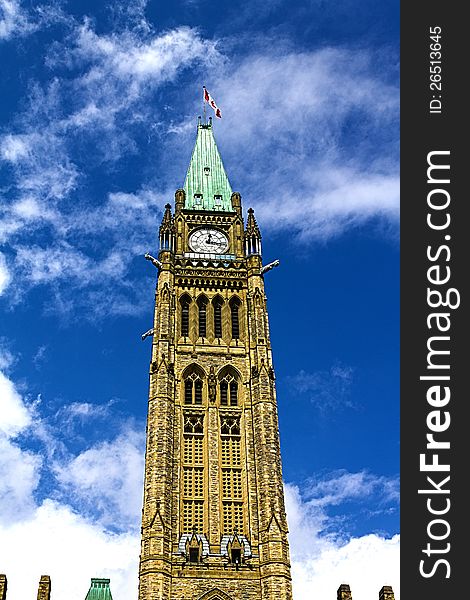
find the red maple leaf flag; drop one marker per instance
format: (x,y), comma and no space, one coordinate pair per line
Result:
(208,98)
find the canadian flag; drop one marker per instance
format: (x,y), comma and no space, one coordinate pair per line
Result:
(208,98)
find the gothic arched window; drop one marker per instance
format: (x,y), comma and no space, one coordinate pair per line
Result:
(217,303)
(193,387)
(228,390)
(234,309)
(202,306)
(185,302)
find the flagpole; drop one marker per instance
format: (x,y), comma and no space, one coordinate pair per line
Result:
(204,103)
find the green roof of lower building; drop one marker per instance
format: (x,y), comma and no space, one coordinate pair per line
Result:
(206,185)
(99,590)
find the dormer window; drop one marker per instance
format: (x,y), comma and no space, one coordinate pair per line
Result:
(218,199)
(197,198)
(236,556)
(207,170)
(194,555)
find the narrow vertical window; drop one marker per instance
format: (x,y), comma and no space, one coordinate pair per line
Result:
(194,555)
(228,387)
(185,316)
(223,393)
(233,393)
(198,391)
(188,391)
(217,318)
(202,304)
(234,307)
(193,386)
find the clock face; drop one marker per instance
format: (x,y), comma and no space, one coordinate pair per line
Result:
(208,240)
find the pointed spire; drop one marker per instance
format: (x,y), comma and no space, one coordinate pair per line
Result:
(167,230)
(99,590)
(166,221)
(252,235)
(206,185)
(251,224)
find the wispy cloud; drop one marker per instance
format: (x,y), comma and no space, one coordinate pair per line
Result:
(342,486)
(84,244)
(13,19)
(18,20)
(40,356)
(321,126)
(7,358)
(327,390)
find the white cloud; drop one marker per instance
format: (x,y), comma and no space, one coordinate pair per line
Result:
(42,265)
(19,476)
(86,243)
(342,485)
(118,74)
(48,536)
(294,96)
(14,147)
(128,56)
(7,358)
(331,202)
(108,479)
(19,468)
(84,411)
(56,541)
(13,19)
(325,144)
(321,563)
(327,390)
(14,414)
(16,20)
(322,128)
(5,276)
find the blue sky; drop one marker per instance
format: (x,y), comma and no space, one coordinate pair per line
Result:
(99,110)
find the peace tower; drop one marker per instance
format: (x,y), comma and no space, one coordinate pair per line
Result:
(213,519)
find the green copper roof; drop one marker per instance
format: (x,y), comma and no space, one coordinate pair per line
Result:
(99,590)
(206,184)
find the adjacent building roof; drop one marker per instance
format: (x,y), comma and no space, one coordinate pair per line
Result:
(206,185)
(99,590)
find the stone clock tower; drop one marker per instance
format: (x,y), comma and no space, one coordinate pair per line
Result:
(213,519)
